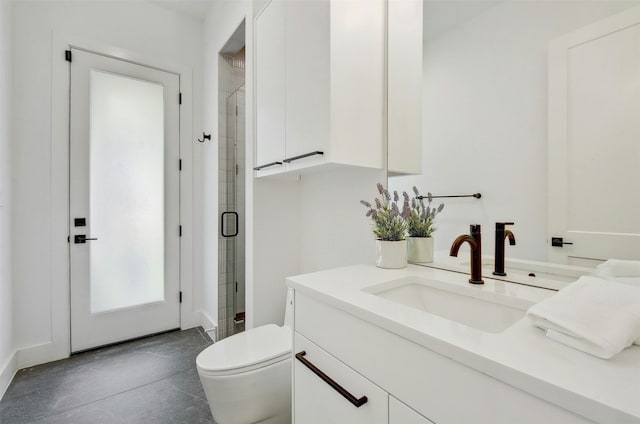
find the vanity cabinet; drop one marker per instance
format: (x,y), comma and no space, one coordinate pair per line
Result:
(399,413)
(405,382)
(321,76)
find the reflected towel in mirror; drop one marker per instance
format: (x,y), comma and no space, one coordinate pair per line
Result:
(619,268)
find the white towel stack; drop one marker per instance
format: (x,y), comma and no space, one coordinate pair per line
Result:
(593,315)
(622,271)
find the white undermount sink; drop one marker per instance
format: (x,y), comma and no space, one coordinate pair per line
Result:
(470,306)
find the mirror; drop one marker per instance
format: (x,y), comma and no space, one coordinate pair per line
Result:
(485,114)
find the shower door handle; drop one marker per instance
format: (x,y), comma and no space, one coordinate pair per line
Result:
(223,222)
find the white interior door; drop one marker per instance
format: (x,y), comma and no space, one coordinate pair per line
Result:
(594,148)
(124,200)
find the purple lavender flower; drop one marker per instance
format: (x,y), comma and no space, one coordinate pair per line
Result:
(406,211)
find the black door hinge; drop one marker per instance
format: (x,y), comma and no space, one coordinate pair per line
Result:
(68,239)
(179,164)
(180,230)
(67,55)
(179,98)
(180,297)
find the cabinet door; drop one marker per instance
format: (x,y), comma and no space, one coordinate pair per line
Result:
(270,87)
(404,74)
(399,413)
(317,402)
(307,84)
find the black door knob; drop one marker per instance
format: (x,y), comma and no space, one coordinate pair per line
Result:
(82,238)
(558,242)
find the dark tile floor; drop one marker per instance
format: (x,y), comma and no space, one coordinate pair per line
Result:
(150,380)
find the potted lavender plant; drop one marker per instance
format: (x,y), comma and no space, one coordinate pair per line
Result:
(420,227)
(389,227)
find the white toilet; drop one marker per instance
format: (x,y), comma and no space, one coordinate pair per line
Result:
(247,377)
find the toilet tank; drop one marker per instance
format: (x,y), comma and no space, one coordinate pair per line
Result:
(288,309)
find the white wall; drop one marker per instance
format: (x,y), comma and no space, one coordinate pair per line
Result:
(276,246)
(333,228)
(222,20)
(308,224)
(485,118)
(134,26)
(7,347)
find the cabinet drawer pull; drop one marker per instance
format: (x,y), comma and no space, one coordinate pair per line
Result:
(338,388)
(257,168)
(306,155)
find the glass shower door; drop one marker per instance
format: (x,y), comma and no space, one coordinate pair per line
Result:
(231,241)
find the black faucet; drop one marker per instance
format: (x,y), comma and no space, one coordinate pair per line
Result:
(475,243)
(501,236)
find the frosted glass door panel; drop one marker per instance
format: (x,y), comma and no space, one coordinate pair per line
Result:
(126,191)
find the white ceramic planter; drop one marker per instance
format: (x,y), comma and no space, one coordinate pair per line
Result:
(420,249)
(391,254)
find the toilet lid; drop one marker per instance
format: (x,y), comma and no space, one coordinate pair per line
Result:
(247,350)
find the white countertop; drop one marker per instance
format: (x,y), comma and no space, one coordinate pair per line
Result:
(606,391)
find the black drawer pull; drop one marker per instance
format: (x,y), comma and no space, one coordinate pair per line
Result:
(257,168)
(338,388)
(306,155)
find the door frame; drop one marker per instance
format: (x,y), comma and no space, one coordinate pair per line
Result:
(60,344)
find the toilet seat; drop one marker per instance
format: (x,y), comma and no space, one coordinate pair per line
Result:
(247,351)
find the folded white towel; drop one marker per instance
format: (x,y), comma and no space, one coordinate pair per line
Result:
(619,268)
(596,316)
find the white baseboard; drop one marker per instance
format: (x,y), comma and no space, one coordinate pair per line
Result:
(8,371)
(41,354)
(209,325)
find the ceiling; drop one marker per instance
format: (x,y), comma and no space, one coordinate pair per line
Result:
(443,15)
(439,15)
(194,8)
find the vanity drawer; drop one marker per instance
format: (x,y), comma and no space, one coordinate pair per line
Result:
(399,413)
(317,401)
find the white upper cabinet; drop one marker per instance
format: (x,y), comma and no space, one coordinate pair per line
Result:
(332,77)
(404,76)
(307,86)
(270,91)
